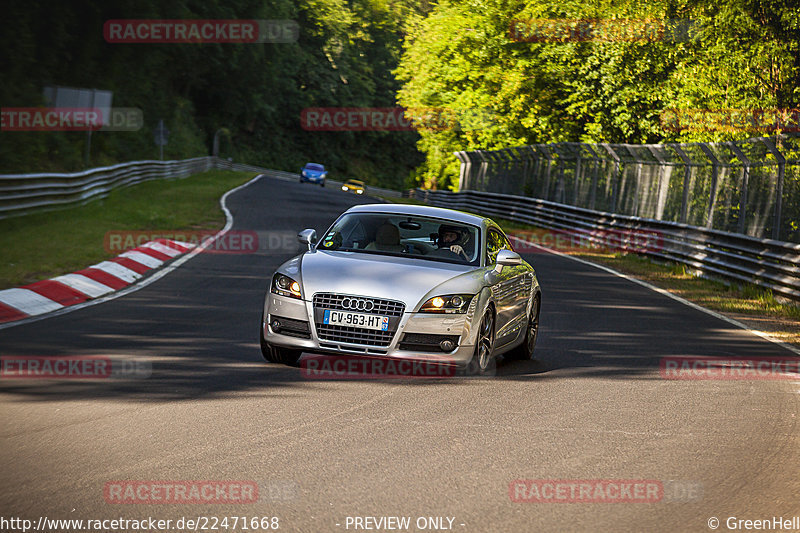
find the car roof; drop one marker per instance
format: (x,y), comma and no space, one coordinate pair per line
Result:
(355,181)
(421,210)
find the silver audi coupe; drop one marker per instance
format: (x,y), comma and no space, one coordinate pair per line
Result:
(405,282)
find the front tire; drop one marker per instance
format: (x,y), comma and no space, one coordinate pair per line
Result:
(483,361)
(276,354)
(524,352)
(322,184)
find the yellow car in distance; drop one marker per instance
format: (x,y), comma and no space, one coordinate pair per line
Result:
(355,186)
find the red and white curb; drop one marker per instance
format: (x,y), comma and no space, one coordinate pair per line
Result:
(93,282)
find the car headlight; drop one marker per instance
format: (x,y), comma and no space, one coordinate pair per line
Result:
(450,303)
(305,175)
(344,187)
(285,286)
(360,191)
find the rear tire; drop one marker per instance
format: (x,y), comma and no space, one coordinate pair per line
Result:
(276,354)
(524,352)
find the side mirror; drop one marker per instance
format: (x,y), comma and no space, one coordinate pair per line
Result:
(308,237)
(507,258)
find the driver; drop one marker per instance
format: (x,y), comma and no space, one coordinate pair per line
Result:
(453,238)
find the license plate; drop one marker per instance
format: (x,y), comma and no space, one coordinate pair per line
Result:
(355,320)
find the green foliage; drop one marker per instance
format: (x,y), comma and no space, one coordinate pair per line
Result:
(738,54)
(344,57)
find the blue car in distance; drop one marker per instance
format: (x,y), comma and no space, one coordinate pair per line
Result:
(313,173)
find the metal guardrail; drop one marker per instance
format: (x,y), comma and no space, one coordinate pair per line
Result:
(750,186)
(25,193)
(768,263)
(21,194)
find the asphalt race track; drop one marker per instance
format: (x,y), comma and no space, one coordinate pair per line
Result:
(592,407)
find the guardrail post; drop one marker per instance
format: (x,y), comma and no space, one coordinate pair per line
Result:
(658,213)
(509,169)
(494,170)
(687,175)
(537,168)
(529,166)
(474,170)
(595,173)
(518,163)
(560,192)
(712,197)
(776,224)
(481,181)
(614,177)
(635,160)
(549,162)
(776,228)
(745,183)
(463,169)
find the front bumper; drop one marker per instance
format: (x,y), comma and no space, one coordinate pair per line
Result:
(453,326)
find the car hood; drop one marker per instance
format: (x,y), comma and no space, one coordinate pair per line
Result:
(313,172)
(396,278)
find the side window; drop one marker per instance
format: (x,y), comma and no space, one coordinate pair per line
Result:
(494,243)
(506,243)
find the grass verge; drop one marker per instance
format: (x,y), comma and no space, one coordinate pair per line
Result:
(43,245)
(758,308)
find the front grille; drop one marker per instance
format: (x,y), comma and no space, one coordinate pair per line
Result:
(382,307)
(425,342)
(366,337)
(369,337)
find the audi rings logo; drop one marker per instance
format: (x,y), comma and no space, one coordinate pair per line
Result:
(357,304)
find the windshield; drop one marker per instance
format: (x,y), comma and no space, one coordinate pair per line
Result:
(314,166)
(405,235)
